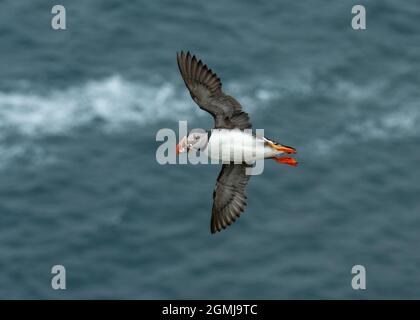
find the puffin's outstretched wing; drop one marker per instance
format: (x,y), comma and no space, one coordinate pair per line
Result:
(206,90)
(229,199)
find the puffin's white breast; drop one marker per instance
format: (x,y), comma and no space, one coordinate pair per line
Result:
(237,146)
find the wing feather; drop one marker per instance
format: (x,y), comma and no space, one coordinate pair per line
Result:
(229,199)
(205,88)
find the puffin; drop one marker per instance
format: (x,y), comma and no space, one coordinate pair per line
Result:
(231,141)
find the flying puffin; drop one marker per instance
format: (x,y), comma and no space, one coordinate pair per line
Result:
(229,141)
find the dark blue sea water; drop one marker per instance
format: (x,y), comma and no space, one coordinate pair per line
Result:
(79,181)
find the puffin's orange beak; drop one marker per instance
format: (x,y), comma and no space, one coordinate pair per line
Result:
(180,147)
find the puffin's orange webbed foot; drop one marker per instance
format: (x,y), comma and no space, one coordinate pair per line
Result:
(286,160)
(285,149)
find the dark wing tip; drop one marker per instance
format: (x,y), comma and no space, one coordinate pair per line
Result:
(221,221)
(229,196)
(179,55)
(205,88)
(193,70)
(213,229)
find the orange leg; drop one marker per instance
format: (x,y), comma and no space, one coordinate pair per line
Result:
(287,160)
(282,148)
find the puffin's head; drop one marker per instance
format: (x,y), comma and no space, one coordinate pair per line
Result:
(196,140)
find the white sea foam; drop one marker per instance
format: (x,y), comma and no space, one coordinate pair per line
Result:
(116,102)
(400,123)
(113,100)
